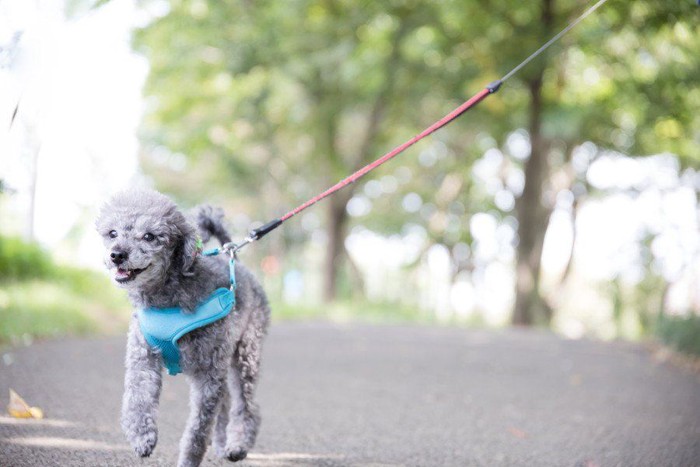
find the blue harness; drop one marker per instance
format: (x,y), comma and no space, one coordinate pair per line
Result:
(162,327)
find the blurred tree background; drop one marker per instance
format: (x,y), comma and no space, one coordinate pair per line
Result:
(569,199)
(263,104)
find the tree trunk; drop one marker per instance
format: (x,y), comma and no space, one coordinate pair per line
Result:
(530,211)
(533,216)
(337,215)
(335,251)
(33,148)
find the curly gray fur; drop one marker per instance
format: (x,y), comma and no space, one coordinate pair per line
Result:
(151,250)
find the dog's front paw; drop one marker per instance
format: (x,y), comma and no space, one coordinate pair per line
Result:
(235,455)
(145,443)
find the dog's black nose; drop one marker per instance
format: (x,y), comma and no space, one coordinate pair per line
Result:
(118,257)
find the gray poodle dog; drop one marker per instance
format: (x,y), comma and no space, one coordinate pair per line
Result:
(153,251)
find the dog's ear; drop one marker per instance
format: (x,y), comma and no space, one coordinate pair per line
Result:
(188,246)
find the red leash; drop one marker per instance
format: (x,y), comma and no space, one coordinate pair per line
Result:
(478,97)
(481,95)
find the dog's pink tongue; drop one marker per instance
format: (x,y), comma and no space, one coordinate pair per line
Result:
(122,273)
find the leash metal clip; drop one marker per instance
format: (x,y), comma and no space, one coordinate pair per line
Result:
(233,248)
(231,264)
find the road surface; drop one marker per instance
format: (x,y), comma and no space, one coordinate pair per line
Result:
(360,395)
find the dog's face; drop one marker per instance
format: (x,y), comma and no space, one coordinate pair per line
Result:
(146,239)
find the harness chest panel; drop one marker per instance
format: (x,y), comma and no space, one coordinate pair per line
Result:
(162,327)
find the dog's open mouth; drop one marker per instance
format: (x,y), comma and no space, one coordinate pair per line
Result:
(125,275)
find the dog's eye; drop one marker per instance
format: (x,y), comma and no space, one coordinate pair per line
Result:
(149,237)
(112,234)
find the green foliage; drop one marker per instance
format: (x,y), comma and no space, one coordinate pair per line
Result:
(267,103)
(39,298)
(681,333)
(646,54)
(20,260)
(42,309)
(292,97)
(71,302)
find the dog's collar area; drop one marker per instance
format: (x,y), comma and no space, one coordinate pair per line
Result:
(226,247)
(231,248)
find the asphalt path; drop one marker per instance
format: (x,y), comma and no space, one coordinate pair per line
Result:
(360,395)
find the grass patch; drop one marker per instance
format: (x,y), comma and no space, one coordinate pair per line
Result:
(20,260)
(78,303)
(680,333)
(38,308)
(39,298)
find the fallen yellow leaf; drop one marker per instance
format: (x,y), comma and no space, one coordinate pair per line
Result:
(18,408)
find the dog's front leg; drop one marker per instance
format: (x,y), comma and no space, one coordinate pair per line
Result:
(142,383)
(206,391)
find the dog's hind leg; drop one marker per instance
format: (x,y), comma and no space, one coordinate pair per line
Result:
(236,443)
(248,365)
(219,441)
(244,417)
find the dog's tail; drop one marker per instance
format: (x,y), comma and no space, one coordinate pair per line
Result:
(210,223)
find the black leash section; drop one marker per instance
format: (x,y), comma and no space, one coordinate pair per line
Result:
(492,88)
